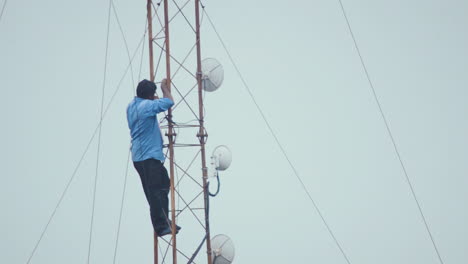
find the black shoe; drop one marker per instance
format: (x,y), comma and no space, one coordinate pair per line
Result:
(166,231)
(176,226)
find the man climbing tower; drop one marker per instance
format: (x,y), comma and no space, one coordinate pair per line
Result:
(147,150)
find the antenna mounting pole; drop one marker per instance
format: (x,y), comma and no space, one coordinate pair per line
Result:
(202,133)
(151,64)
(170,135)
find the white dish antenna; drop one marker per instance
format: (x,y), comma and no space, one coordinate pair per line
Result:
(223,250)
(212,74)
(221,158)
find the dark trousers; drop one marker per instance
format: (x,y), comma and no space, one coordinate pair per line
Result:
(156,183)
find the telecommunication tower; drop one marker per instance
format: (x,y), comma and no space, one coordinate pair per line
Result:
(184,127)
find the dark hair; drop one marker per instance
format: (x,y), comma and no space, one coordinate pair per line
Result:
(146,89)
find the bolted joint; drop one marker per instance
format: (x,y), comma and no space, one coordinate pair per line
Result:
(170,134)
(205,172)
(202,135)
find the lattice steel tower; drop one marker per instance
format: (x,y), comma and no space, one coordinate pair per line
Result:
(189,138)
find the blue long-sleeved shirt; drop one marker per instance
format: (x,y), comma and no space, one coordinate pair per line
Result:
(147,142)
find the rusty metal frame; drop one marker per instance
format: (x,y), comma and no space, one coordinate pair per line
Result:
(171,127)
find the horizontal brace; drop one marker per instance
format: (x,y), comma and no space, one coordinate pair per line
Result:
(180,210)
(182,145)
(180,126)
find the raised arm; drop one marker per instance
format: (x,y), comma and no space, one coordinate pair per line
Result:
(161,104)
(165,90)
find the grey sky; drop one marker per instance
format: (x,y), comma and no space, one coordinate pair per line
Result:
(300,61)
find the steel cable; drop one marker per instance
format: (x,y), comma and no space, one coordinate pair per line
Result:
(121,207)
(3,9)
(124,40)
(100,132)
(390,132)
(67,186)
(277,140)
(129,150)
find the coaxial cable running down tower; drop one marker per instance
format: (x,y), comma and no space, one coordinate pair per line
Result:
(185,130)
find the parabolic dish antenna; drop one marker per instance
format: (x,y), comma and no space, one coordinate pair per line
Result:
(223,249)
(221,157)
(212,74)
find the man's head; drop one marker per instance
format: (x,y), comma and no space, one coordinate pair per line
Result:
(146,89)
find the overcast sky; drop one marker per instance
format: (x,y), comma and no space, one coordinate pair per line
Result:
(302,67)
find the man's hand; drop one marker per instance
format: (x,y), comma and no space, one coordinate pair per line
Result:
(165,90)
(164,84)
